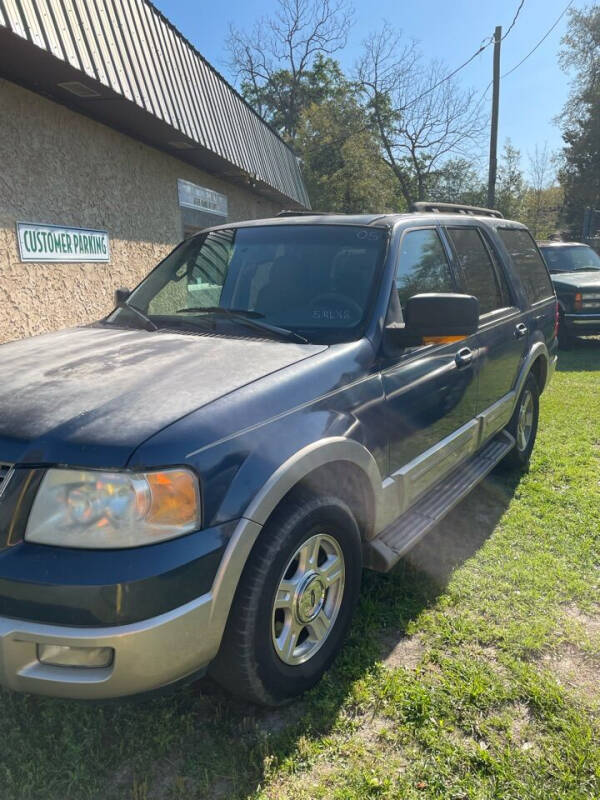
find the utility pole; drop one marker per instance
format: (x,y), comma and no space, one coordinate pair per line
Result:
(491,197)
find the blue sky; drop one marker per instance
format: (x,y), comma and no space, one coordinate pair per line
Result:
(530,98)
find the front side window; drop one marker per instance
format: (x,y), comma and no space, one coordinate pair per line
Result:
(476,272)
(317,280)
(422,266)
(528,263)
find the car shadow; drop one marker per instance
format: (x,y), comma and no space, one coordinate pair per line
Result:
(389,603)
(583,355)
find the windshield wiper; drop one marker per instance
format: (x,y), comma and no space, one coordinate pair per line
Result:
(247,318)
(148,324)
(245,312)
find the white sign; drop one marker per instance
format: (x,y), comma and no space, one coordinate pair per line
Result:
(57,243)
(201,199)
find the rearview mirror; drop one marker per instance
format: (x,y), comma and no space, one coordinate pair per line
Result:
(430,318)
(121,295)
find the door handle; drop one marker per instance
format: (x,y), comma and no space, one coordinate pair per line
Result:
(521,330)
(464,357)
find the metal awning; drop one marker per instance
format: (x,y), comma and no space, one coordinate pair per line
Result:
(123,63)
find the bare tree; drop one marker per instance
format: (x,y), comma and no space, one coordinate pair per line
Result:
(422,118)
(540,168)
(273,61)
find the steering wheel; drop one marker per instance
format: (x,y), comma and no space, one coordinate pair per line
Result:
(344,307)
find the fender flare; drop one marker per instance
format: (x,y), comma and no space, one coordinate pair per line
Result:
(318,454)
(286,476)
(538,350)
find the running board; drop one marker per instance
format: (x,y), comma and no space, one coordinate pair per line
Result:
(382,552)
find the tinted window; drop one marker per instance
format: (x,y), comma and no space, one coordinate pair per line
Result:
(476,273)
(316,279)
(423,266)
(568,259)
(528,263)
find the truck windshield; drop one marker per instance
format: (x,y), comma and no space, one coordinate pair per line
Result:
(314,281)
(571,259)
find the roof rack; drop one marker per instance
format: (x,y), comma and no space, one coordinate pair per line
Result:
(288,213)
(456,208)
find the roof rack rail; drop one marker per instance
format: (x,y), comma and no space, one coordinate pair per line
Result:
(456,208)
(288,213)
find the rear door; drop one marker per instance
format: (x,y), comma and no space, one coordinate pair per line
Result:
(502,338)
(531,270)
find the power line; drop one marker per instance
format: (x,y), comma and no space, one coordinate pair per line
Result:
(484,45)
(516,16)
(544,37)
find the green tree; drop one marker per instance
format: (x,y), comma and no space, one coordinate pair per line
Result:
(457,181)
(341,158)
(580,172)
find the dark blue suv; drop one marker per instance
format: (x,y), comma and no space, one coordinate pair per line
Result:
(197,481)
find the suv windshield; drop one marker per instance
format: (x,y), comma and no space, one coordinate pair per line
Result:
(571,259)
(313,280)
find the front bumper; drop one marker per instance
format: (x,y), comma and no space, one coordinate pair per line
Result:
(148,654)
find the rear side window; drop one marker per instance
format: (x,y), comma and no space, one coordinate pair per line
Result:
(477,275)
(423,266)
(528,263)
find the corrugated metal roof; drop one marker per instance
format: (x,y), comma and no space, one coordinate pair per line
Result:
(129,47)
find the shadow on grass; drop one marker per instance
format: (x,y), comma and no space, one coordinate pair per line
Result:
(201,743)
(583,355)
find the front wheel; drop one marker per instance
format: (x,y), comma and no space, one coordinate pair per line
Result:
(524,424)
(294,603)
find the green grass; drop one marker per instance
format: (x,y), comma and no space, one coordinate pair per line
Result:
(471,671)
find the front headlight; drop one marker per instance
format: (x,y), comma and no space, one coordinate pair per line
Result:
(75,508)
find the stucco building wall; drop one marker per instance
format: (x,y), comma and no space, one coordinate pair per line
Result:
(59,167)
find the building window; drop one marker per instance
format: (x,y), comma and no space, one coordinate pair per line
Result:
(200,207)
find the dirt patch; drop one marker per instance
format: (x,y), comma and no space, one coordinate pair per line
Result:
(589,622)
(522,729)
(372,729)
(277,720)
(304,784)
(407,653)
(576,672)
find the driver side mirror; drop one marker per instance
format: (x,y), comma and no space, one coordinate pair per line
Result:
(121,295)
(433,318)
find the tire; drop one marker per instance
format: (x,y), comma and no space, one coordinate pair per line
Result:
(523,425)
(258,660)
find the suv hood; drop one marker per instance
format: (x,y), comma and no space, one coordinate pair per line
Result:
(577,280)
(89,396)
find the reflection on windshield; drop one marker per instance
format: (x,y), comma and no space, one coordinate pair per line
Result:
(570,259)
(314,279)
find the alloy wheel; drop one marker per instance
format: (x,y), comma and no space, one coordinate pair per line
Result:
(525,421)
(308,599)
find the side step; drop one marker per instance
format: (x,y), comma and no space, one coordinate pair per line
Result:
(394,541)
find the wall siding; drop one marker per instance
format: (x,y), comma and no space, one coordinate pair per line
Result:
(62,168)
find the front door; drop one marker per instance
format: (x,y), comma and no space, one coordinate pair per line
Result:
(430,391)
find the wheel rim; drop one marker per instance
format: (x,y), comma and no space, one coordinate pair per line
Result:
(308,599)
(525,421)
